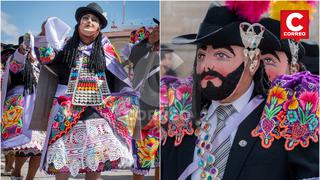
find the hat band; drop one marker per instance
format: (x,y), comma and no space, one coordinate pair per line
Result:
(206,29)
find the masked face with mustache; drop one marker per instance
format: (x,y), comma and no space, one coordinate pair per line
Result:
(219,70)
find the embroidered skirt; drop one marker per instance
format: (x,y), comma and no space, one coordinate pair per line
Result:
(146,152)
(90,146)
(15,120)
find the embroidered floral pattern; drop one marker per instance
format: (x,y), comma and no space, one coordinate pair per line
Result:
(46,55)
(291,112)
(302,122)
(121,112)
(66,117)
(15,67)
(11,124)
(110,52)
(175,107)
(145,151)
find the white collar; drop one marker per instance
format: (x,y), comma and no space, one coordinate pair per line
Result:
(238,104)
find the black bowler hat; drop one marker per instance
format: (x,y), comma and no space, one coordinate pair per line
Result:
(274,26)
(311,58)
(220,27)
(95,9)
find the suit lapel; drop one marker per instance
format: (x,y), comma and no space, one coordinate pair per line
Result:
(238,154)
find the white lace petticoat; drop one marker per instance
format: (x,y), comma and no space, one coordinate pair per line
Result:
(34,147)
(90,146)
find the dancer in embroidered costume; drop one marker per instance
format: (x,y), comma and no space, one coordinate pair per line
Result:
(19,82)
(145,59)
(8,50)
(93,103)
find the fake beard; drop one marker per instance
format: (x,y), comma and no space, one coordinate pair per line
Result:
(229,84)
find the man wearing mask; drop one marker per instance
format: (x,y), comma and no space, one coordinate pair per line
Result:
(227,82)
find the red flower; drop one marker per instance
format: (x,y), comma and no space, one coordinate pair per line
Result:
(5,135)
(281,117)
(62,99)
(309,98)
(18,131)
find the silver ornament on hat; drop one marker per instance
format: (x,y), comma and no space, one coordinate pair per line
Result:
(251,40)
(294,50)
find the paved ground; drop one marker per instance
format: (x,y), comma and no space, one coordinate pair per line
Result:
(112,175)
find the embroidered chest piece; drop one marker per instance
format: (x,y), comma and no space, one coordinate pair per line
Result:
(86,87)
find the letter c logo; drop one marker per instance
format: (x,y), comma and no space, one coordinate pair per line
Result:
(289,22)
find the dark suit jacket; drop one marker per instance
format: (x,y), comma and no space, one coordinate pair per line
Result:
(251,162)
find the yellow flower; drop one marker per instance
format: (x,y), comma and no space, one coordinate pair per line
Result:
(147,148)
(12,116)
(279,93)
(67,123)
(293,103)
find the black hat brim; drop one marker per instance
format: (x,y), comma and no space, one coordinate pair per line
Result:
(156,21)
(80,11)
(227,35)
(311,63)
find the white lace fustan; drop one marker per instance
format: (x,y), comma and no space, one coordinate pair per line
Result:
(88,144)
(35,145)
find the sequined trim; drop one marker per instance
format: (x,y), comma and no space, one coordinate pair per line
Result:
(87,87)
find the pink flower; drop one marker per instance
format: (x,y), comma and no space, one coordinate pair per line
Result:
(55,125)
(15,67)
(183,89)
(123,108)
(309,98)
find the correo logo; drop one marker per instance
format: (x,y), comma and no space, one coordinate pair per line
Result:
(294,24)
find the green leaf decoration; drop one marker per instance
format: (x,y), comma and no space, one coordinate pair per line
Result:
(301,115)
(188,107)
(310,117)
(186,96)
(178,105)
(308,107)
(147,164)
(275,111)
(266,109)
